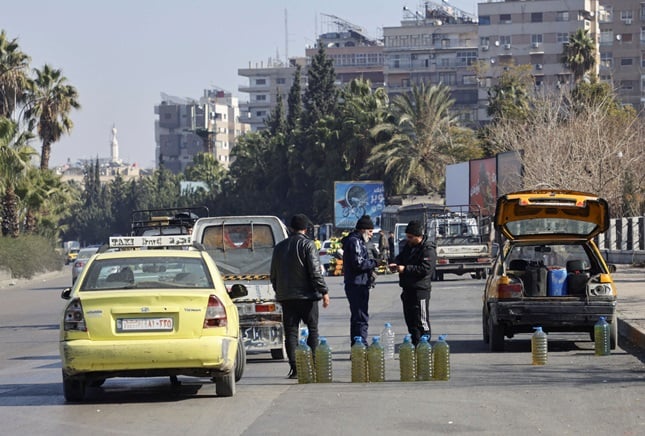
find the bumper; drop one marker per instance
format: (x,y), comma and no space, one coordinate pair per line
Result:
(522,316)
(463,267)
(262,336)
(203,356)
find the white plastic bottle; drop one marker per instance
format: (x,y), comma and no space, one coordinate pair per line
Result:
(387,340)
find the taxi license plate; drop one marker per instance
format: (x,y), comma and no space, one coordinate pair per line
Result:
(144,324)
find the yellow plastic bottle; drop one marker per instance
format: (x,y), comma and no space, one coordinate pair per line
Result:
(539,347)
(441,359)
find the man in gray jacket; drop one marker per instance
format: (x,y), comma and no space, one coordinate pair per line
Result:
(299,285)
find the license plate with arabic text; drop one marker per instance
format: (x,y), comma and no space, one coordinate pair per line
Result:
(144,324)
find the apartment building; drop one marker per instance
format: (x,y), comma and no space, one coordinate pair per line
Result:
(530,32)
(438,45)
(186,127)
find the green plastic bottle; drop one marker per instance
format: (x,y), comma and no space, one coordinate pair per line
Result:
(602,337)
(424,359)
(304,363)
(407,360)
(376,360)
(441,359)
(323,362)
(539,347)
(359,361)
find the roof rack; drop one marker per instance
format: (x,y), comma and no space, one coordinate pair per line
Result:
(168,221)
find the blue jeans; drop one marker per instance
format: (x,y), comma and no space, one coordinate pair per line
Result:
(358,297)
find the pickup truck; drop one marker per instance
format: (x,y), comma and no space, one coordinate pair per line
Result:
(242,247)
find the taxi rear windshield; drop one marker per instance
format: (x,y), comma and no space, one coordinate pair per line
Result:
(147,273)
(550,226)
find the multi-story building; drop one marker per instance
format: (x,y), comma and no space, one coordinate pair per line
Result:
(530,32)
(436,46)
(622,49)
(187,127)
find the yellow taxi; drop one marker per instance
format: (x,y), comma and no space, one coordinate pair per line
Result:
(550,272)
(143,312)
(72,254)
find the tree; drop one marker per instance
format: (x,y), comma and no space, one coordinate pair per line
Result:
(51,104)
(579,54)
(417,129)
(14,75)
(510,97)
(276,122)
(321,95)
(294,102)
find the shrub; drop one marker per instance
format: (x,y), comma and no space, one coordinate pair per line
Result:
(27,256)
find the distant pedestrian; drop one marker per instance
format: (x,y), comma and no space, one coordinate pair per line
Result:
(358,275)
(391,252)
(415,265)
(299,285)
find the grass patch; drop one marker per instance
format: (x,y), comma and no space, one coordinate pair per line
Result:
(27,256)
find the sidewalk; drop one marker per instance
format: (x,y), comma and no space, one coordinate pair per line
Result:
(630,283)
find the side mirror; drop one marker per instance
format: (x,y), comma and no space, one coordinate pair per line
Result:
(612,268)
(66,294)
(238,290)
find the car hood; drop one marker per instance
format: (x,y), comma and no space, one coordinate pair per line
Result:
(551,214)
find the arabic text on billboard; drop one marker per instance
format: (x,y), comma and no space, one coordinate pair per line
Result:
(355,199)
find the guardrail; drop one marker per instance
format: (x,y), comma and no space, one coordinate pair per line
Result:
(624,241)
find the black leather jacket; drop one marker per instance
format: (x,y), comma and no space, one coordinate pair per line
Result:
(295,270)
(419,261)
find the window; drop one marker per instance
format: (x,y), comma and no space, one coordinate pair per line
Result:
(505,19)
(627,85)
(606,60)
(643,60)
(626,62)
(505,39)
(626,37)
(280,81)
(562,16)
(536,38)
(470,80)
(484,20)
(562,37)
(260,113)
(261,97)
(642,11)
(536,17)
(606,36)
(606,15)
(260,81)
(445,43)
(626,16)
(484,41)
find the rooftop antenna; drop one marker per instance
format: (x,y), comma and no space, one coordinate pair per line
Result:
(286,38)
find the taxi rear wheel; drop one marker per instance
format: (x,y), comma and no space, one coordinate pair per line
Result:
(225,384)
(495,336)
(278,353)
(240,360)
(73,388)
(613,334)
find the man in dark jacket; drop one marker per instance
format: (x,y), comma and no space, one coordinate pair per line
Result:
(299,285)
(415,265)
(358,269)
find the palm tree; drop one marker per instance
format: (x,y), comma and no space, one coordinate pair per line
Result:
(52,102)
(14,164)
(579,54)
(413,154)
(14,75)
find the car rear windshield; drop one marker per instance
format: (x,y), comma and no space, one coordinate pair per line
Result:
(550,226)
(240,248)
(147,273)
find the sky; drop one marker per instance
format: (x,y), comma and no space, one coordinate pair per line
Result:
(121,55)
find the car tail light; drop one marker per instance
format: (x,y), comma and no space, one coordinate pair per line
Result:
(483,260)
(74,319)
(79,264)
(442,261)
(265,307)
(215,313)
(322,253)
(508,289)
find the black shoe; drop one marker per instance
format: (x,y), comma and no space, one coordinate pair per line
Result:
(293,374)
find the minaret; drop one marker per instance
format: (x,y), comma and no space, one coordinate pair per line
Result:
(115,146)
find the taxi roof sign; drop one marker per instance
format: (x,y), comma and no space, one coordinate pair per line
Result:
(150,241)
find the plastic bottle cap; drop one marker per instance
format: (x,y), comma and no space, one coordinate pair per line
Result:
(323,340)
(388,325)
(358,339)
(602,318)
(537,329)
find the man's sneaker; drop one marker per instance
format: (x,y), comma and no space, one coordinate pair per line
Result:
(293,374)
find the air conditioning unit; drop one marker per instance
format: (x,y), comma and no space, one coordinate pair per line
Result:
(535,44)
(507,46)
(484,48)
(538,66)
(628,21)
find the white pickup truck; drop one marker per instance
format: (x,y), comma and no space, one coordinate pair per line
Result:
(242,247)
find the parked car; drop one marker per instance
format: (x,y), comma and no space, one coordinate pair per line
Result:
(149,313)
(81,259)
(550,272)
(325,256)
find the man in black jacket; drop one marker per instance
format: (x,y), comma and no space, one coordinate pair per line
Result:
(415,265)
(299,285)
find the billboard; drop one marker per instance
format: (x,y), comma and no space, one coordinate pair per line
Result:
(483,184)
(355,199)
(457,180)
(509,172)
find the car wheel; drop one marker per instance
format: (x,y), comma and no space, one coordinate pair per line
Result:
(225,384)
(73,388)
(485,332)
(278,353)
(240,360)
(613,334)
(495,336)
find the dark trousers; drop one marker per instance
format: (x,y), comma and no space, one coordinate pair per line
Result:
(294,311)
(416,305)
(358,297)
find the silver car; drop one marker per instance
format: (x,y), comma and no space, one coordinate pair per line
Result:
(83,256)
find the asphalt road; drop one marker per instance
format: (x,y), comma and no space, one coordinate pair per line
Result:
(489,393)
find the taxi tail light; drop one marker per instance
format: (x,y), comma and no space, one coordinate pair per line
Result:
(215,313)
(74,318)
(509,289)
(442,261)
